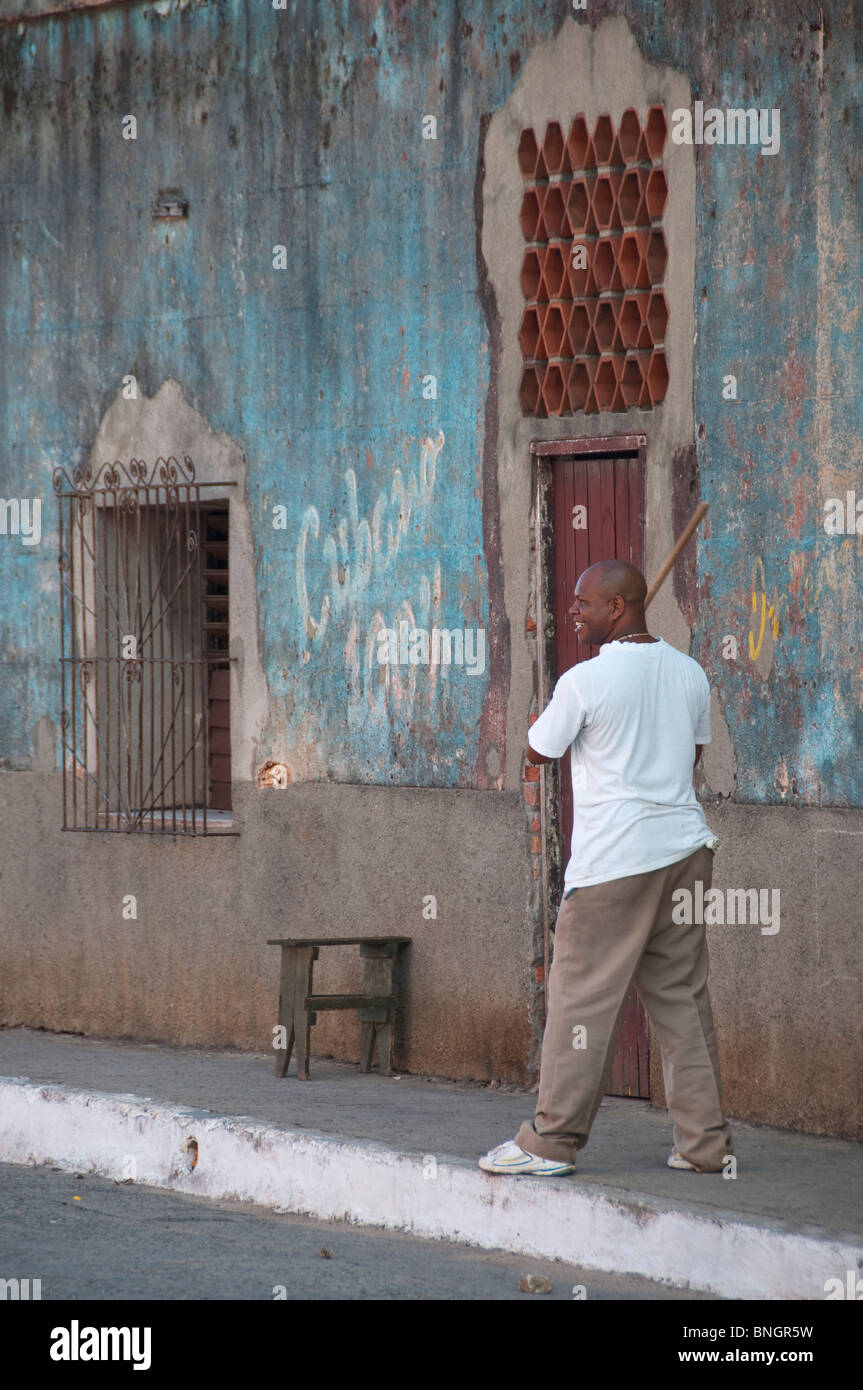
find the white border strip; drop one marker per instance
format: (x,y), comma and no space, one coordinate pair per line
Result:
(365,1183)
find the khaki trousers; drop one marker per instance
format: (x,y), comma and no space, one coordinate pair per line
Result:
(608,936)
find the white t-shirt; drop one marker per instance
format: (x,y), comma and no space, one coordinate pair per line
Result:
(632,715)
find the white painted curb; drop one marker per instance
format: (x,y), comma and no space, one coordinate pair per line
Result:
(368,1184)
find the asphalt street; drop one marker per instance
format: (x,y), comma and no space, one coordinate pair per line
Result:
(89,1238)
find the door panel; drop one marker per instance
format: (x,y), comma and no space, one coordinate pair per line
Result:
(611,488)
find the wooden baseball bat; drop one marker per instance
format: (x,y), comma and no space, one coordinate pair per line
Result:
(667,566)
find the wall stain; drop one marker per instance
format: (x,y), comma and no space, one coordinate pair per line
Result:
(492,726)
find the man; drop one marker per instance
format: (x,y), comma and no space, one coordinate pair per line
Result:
(635,719)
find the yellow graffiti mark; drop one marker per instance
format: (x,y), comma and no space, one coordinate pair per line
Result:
(766,612)
(808,577)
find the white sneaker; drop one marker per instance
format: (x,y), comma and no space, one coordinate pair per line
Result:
(509,1158)
(675,1160)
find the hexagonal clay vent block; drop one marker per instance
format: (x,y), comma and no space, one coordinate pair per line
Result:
(579,208)
(554,149)
(633,271)
(554,211)
(631,382)
(656,257)
(630,199)
(605,145)
(605,264)
(656,194)
(579,145)
(581,330)
(655,132)
(605,383)
(580,271)
(605,201)
(596,319)
(554,269)
(631,320)
(530,392)
(555,338)
(605,325)
(630,137)
(528,150)
(531,274)
(528,334)
(531,217)
(554,392)
(581,383)
(530,160)
(657,316)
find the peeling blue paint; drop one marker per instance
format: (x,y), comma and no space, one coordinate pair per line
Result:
(302,128)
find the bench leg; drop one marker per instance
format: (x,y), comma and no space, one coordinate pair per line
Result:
(286,1020)
(376,1028)
(384,1033)
(367,1045)
(379,966)
(294,1017)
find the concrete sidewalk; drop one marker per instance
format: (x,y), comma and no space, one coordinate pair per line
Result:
(401,1153)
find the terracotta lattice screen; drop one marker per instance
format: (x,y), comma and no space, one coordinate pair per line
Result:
(593,329)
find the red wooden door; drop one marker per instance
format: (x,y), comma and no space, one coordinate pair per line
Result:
(597,515)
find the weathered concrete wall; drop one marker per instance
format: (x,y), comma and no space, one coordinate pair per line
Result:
(309,860)
(317,146)
(303,128)
(785,1001)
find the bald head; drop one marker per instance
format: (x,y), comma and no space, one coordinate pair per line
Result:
(619,577)
(609,602)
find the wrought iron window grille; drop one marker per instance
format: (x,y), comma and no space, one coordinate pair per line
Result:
(144,648)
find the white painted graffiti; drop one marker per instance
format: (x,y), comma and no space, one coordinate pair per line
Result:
(361,553)
(377,687)
(358,551)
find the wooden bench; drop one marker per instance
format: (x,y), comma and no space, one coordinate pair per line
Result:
(298,1005)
